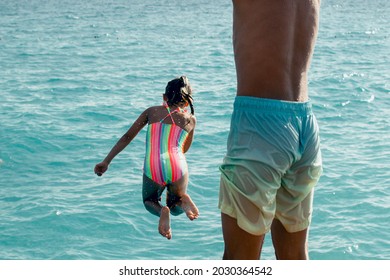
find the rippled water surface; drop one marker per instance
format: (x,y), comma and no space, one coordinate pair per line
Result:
(75,75)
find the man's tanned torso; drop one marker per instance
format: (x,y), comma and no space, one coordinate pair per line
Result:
(273,43)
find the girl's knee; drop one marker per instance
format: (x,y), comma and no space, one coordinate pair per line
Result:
(153,207)
(176,210)
(174,206)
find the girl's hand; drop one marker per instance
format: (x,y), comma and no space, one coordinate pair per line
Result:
(100,168)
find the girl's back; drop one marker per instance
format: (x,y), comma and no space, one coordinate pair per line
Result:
(167,133)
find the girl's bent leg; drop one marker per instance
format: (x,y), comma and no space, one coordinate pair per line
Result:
(179,201)
(151,195)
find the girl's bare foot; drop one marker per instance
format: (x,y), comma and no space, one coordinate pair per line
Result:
(164,225)
(189,207)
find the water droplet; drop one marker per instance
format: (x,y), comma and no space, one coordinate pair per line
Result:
(348,250)
(372,97)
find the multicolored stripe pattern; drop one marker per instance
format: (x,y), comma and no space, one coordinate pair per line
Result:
(164,158)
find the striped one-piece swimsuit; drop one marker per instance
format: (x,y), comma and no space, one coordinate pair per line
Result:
(165,161)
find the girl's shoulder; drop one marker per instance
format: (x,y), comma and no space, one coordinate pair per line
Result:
(190,121)
(192,118)
(155,113)
(155,108)
(186,114)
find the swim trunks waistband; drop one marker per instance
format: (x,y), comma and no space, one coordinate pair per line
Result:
(273,105)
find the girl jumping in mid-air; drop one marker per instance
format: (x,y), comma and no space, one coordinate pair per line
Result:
(169,136)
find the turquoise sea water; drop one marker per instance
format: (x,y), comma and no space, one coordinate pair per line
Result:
(74,75)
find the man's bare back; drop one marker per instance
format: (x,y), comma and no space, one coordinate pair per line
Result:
(273,44)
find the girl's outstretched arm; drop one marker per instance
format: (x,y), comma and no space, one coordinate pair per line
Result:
(122,143)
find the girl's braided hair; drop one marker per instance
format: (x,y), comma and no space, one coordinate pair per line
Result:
(179,90)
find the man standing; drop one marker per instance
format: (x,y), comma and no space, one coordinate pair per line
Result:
(273,158)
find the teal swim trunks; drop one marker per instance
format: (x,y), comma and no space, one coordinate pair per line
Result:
(272,164)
